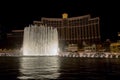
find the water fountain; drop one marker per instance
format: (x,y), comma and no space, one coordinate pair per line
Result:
(43,41)
(40,41)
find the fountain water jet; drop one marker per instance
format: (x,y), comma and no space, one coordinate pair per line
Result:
(40,41)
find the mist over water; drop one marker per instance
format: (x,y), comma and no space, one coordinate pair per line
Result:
(40,41)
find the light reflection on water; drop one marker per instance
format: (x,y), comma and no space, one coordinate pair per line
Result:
(39,68)
(59,68)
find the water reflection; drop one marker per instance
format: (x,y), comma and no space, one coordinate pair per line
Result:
(59,68)
(39,68)
(89,69)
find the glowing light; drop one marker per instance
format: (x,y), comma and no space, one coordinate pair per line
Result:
(65,15)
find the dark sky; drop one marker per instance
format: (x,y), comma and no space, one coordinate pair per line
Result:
(17,15)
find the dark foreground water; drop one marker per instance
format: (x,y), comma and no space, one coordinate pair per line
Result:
(58,68)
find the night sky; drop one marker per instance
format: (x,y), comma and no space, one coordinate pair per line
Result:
(17,15)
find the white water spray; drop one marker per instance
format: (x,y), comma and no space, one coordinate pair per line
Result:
(40,41)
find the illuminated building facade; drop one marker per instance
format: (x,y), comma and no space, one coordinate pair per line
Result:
(74,30)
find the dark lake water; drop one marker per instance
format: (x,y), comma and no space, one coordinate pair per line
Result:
(58,68)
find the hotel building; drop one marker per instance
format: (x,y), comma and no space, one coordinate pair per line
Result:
(74,30)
